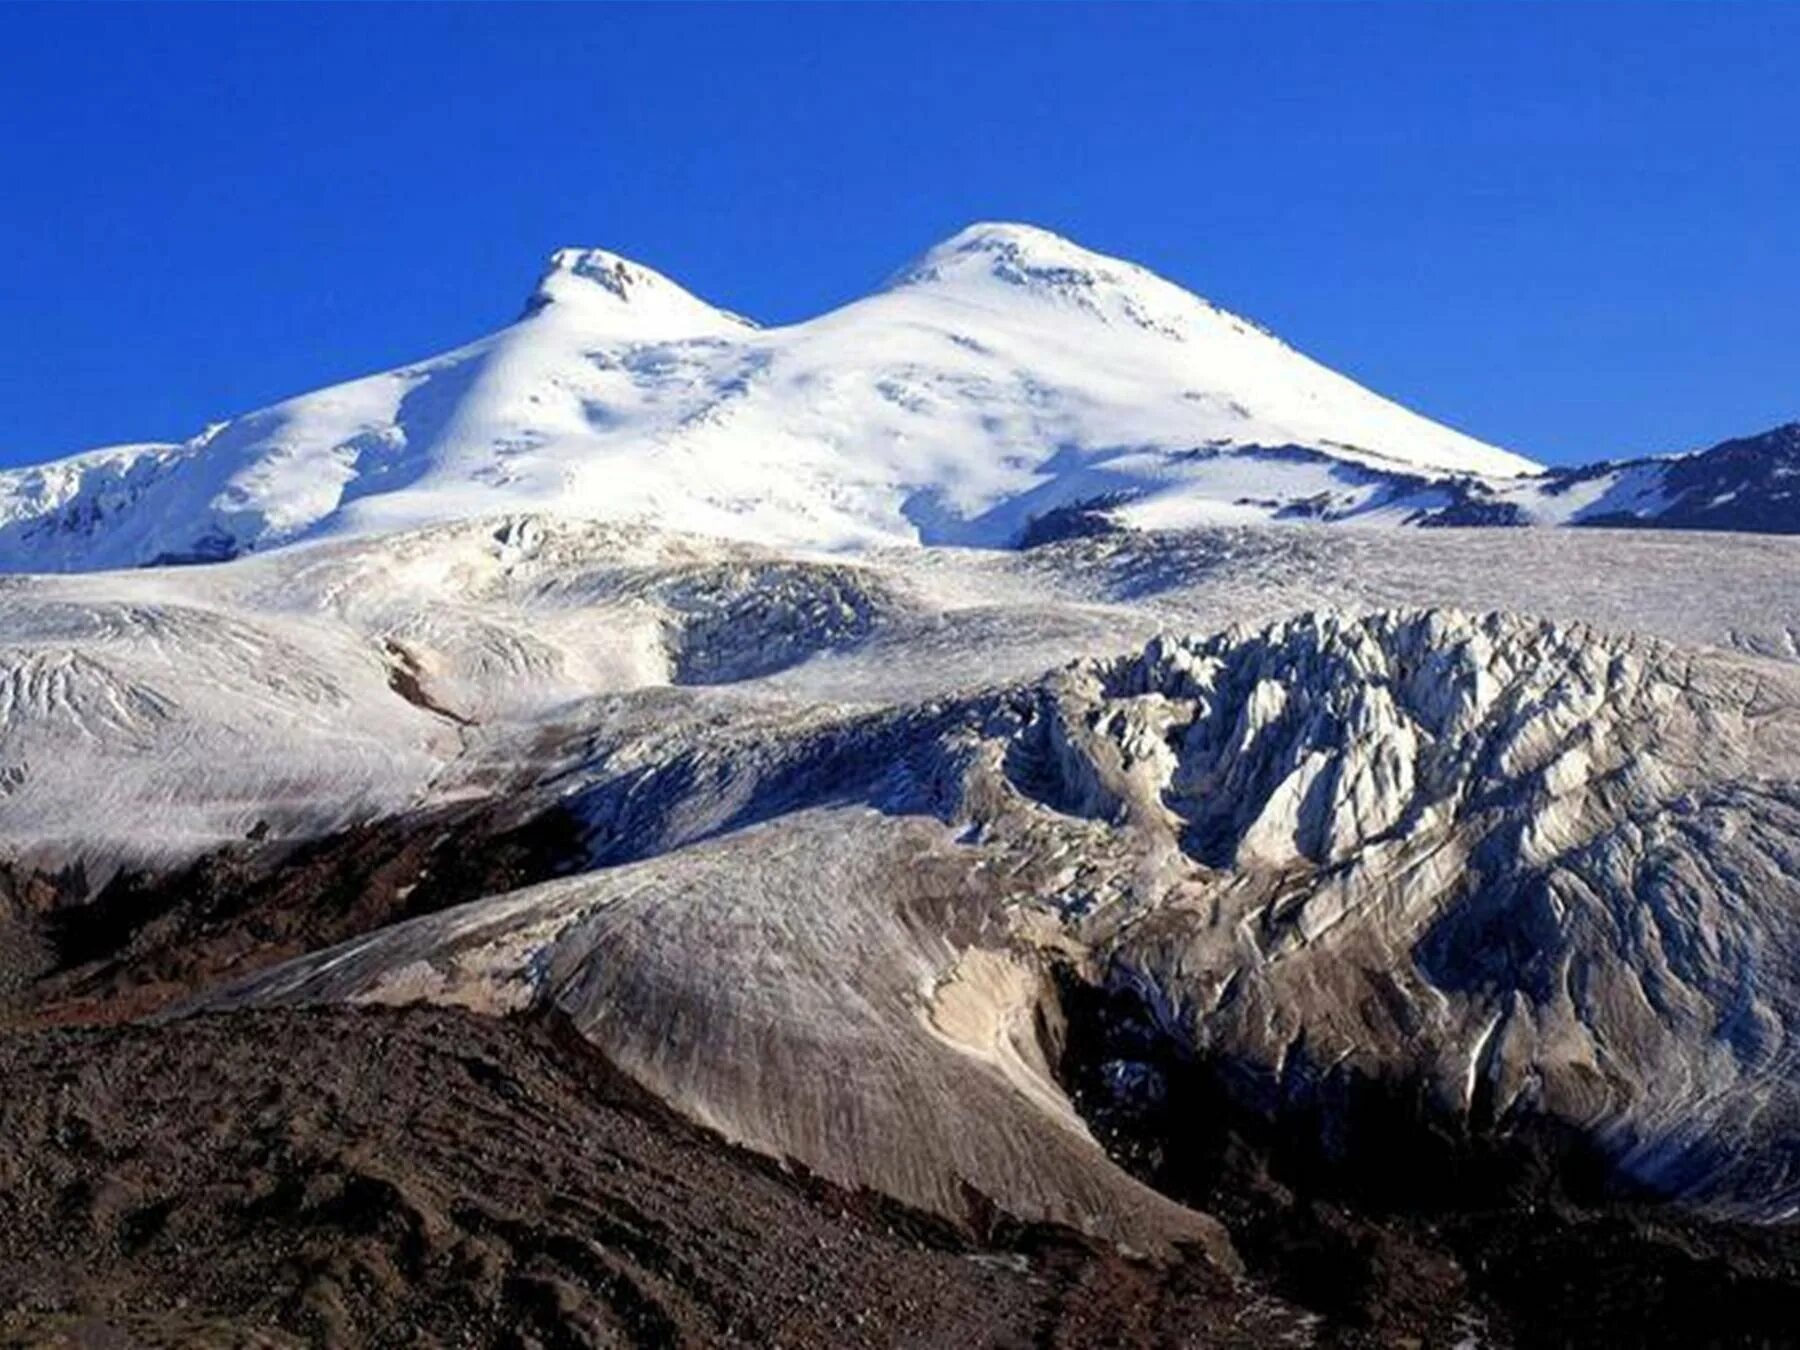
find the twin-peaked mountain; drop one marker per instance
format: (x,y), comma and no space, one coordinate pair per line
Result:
(1009,385)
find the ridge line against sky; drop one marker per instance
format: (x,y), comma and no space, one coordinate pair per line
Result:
(1565,230)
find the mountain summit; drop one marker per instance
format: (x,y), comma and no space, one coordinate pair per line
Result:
(602,289)
(1006,375)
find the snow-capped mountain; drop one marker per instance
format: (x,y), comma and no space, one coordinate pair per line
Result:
(1006,373)
(985,880)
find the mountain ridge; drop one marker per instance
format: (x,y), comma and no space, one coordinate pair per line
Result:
(1003,379)
(1003,373)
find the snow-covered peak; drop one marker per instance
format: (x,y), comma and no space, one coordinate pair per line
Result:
(1033,262)
(1005,249)
(1008,374)
(601,290)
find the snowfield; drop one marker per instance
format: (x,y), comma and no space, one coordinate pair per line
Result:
(1006,373)
(1008,387)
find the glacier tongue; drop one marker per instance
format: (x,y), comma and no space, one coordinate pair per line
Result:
(1541,869)
(1565,861)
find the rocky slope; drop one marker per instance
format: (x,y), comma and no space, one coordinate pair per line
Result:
(1748,483)
(356,1179)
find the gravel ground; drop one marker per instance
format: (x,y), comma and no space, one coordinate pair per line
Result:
(429,1177)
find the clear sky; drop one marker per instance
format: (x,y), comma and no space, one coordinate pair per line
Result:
(1568,230)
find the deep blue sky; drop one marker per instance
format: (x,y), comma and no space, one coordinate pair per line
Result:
(1568,230)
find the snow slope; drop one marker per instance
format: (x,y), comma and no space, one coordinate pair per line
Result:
(1004,374)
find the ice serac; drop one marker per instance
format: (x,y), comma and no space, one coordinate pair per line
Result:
(1537,870)
(1005,376)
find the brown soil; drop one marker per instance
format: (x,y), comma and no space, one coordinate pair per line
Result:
(149,940)
(422,1177)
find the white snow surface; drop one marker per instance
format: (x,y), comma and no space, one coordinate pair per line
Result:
(1005,373)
